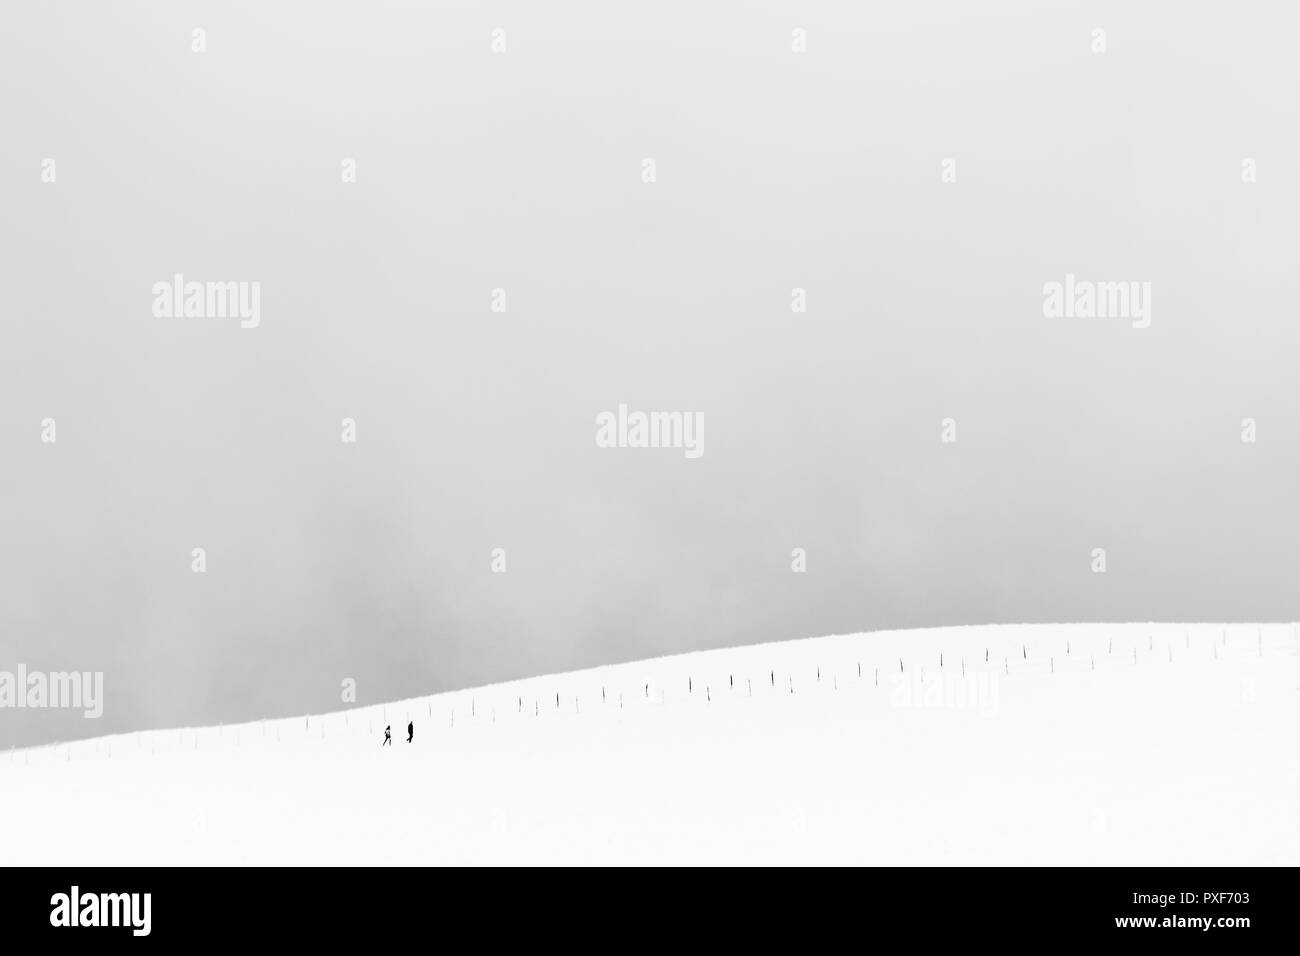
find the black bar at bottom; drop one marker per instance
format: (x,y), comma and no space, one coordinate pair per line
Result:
(479,908)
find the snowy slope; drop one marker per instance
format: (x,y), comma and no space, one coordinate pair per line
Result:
(1073,744)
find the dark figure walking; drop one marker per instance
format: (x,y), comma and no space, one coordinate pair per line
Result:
(388,736)
(410,732)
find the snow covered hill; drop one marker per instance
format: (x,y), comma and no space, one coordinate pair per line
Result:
(1062,744)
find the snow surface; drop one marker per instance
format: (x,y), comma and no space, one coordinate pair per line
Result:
(1151,744)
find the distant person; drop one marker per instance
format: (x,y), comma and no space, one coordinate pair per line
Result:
(388,736)
(410,732)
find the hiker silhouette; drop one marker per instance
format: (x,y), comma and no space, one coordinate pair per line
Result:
(388,736)
(410,732)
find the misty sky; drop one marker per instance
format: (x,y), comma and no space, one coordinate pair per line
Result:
(475,430)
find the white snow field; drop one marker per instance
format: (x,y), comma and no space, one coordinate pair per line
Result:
(1151,744)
